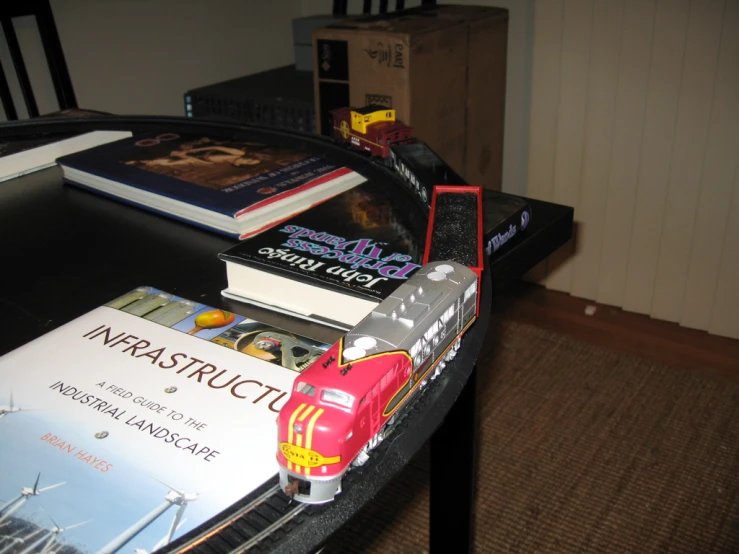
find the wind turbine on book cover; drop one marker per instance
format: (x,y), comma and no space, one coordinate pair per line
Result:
(12,409)
(173,498)
(26,492)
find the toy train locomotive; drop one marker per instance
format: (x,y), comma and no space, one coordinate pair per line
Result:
(345,403)
(372,129)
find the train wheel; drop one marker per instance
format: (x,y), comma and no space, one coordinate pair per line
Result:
(377,439)
(362,457)
(387,429)
(439,367)
(452,351)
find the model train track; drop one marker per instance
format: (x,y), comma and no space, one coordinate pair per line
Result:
(260,524)
(267,517)
(252,527)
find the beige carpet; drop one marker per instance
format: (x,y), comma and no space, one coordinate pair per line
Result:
(581,450)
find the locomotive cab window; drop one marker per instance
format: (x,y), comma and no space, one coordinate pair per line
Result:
(337,397)
(305,388)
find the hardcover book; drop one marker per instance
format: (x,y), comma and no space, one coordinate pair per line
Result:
(138,421)
(335,262)
(505,216)
(237,188)
(20,156)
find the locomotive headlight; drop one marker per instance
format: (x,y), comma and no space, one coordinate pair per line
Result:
(298,427)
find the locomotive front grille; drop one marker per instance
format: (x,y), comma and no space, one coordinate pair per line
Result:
(297,486)
(312,490)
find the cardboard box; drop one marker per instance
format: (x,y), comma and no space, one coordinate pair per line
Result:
(441,67)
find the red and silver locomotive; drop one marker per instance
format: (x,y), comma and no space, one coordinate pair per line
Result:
(372,129)
(345,403)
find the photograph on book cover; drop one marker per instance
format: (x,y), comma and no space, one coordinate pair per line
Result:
(217,164)
(133,424)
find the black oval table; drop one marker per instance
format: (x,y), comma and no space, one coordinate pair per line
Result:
(67,251)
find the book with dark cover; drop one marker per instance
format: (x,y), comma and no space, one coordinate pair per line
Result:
(420,168)
(504,215)
(334,262)
(233,187)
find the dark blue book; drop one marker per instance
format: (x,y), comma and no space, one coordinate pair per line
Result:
(237,188)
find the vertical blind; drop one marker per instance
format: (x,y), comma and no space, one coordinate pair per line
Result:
(635,123)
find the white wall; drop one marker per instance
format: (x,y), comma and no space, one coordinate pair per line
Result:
(140,57)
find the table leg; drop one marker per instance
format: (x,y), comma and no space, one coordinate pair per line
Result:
(453,470)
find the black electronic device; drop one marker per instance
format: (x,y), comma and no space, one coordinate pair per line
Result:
(281,98)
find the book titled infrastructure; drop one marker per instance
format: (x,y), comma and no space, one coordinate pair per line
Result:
(140,420)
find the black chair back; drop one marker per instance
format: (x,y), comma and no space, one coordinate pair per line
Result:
(341,6)
(41,10)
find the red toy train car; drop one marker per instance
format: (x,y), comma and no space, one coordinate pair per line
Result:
(372,129)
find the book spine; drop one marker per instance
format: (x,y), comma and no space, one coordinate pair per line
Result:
(502,236)
(418,185)
(420,169)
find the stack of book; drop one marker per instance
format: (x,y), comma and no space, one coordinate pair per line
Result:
(335,262)
(332,263)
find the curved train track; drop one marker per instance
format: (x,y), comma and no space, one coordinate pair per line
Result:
(262,521)
(253,527)
(267,520)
